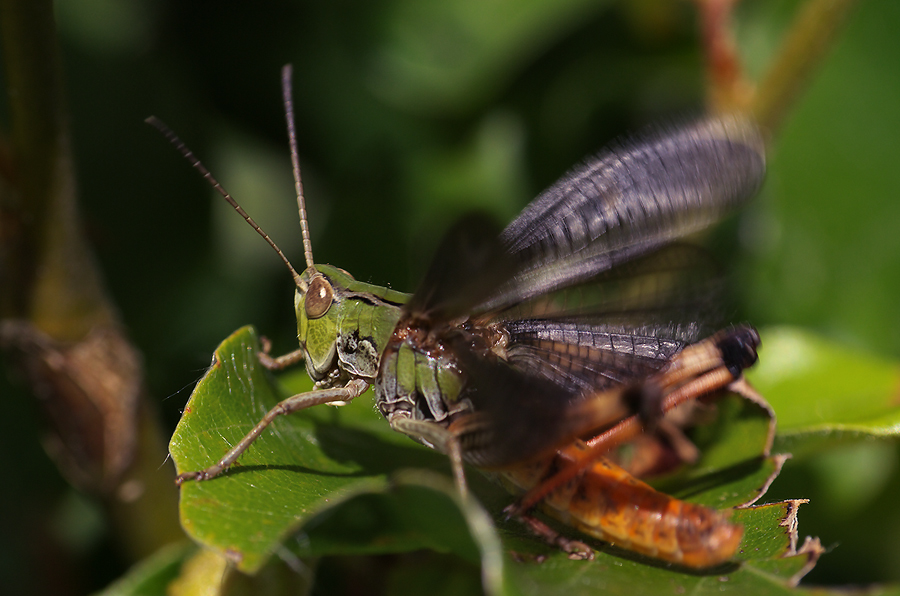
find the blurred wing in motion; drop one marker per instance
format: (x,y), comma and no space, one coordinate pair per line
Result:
(587,291)
(629,201)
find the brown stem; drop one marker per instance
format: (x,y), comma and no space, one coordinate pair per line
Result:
(56,320)
(729,90)
(48,275)
(813,32)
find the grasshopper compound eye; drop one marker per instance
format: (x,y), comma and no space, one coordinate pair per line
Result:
(318,297)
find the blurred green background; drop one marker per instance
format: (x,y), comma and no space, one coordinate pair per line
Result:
(409,113)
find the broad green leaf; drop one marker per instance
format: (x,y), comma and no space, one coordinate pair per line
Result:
(825,394)
(332,481)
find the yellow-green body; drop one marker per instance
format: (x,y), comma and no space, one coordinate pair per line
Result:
(351,339)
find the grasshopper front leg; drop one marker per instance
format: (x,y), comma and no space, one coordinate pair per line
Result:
(295,403)
(279,362)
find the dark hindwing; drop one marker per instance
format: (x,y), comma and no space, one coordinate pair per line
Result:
(564,372)
(619,326)
(585,294)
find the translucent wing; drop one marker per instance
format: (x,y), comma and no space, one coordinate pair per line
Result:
(621,205)
(629,201)
(468,266)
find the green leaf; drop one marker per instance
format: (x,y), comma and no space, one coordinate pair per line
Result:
(417,509)
(330,481)
(825,394)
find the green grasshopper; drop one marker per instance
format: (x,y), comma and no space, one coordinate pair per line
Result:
(573,317)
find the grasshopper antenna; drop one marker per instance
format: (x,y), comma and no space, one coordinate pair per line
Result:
(286,74)
(188,155)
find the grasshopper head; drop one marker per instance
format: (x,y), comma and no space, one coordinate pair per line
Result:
(318,310)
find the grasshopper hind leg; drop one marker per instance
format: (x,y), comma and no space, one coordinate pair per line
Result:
(441,438)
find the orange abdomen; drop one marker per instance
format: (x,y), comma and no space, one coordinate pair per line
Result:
(606,502)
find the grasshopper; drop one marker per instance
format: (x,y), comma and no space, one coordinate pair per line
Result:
(534,351)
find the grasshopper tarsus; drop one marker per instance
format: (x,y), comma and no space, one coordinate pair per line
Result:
(577,550)
(201,475)
(514,510)
(182,478)
(278,362)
